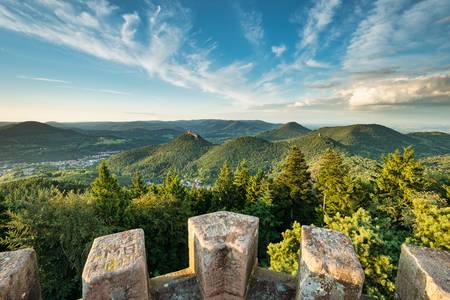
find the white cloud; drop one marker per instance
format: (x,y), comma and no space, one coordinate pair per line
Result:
(279,50)
(131,21)
(317,64)
(319,17)
(43,79)
(169,54)
(107,91)
(101,7)
(251,23)
(423,90)
(395,29)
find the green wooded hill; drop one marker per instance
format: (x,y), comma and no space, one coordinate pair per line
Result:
(260,155)
(286,131)
(35,133)
(200,159)
(214,130)
(154,162)
(373,140)
(34,141)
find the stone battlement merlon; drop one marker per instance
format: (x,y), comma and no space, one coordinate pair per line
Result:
(223,265)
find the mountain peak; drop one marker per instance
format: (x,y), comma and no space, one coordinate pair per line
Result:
(284,132)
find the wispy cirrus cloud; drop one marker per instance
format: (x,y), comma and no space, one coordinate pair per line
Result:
(251,24)
(169,54)
(68,84)
(43,79)
(400,34)
(107,91)
(318,18)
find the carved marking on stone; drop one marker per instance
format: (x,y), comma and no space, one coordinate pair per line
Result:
(116,267)
(223,252)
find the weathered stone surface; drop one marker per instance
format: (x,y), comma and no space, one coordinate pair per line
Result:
(222,253)
(329,267)
(19,275)
(116,268)
(269,285)
(423,273)
(178,285)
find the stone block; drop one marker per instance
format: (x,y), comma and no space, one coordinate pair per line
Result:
(329,267)
(423,273)
(223,253)
(19,277)
(116,268)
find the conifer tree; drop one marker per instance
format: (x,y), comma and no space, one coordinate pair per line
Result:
(293,188)
(241,181)
(137,188)
(253,187)
(400,175)
(431,221)
(173,186)
(338,191)
(284,255)
(110,203)
(224,190)
(369,246)
(263,209)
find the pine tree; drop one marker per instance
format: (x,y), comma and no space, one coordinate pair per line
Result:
(110,202)
(431,221)
(368,244)
(241,181)
(172,185)
(253,188)
(293,188)
(284,255)
(338,191)
(263,209)
(224,190)
(137,188)
(400,175)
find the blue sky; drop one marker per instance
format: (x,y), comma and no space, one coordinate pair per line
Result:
(320,62)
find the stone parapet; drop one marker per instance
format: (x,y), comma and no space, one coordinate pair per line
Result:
(222,253)
(116,268)
(19,277)
(329,267)
(423,273)
(223,265)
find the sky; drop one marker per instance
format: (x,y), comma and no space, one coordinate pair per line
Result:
(314,62)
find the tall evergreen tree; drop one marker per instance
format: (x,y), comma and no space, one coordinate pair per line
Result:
(110,202)
(241,181)
(400,175)
(224,190)
(294,195)
(263,208)
(173,186)
(254,187)
(338,191)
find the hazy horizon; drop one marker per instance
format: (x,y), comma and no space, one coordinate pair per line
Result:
(403,129)
(315,62)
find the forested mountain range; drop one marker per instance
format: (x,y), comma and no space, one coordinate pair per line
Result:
(153,147)
(369,141)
